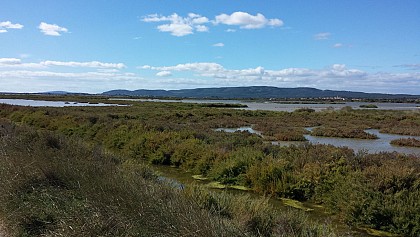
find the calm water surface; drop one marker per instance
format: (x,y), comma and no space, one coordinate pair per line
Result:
(45,103)
(370,145)
(273,106)
(382,144)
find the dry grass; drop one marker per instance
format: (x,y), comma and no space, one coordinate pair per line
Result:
(53,186)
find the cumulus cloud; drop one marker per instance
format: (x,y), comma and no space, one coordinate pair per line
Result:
(178,25)
(5,25)
(219,45)
(322,36)
(247,21)
(51,29)
(164,74)
(92,64)
(338,45)
(201,28)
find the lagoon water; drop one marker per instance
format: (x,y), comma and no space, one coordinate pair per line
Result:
(45,103)
(289,106)
(241,129)
(382,144)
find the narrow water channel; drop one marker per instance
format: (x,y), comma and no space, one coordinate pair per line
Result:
(179,178)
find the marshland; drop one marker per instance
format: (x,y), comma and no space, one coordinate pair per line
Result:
(73,170)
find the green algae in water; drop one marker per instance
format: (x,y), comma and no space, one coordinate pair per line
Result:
(239,187)
(218,185)
(295,204)
(199,177)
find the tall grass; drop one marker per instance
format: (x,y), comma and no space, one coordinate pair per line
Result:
(55,186)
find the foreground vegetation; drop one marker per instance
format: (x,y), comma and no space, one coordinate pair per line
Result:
(55,186)
(379,191)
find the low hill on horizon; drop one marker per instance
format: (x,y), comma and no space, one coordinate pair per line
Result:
(257,92)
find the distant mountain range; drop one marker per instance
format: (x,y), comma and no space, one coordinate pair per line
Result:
(256,92)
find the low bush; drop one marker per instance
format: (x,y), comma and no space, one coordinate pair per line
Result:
(406,142)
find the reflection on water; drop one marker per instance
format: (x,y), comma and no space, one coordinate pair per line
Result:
(241,129)
(289,107)
(382,144)
(45,103)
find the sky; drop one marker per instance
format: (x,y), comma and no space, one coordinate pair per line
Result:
(99,45)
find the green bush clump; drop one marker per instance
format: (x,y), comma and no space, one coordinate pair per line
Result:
(344,132)
(368,106)
(406,142)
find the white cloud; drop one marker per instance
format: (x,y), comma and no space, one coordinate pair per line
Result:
(93,64)
(51,29)
(181,26)
(201,28)
(413,66)
(92,82)
(176,29)
(247,21)
(20,76)
(338,45)
(337,74)
(10,61)
(178,25)
(199,67)
(322,36)
(164,74)
(145,67)
(219,45)
(9,25)
(17,63)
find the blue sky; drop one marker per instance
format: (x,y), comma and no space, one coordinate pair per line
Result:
(94,46)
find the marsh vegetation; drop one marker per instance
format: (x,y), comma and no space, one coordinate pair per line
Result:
(379,191)
(406,142)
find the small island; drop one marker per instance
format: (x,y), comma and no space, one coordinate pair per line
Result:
(406,142)
(368,106)
(342,132)
(224,105)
